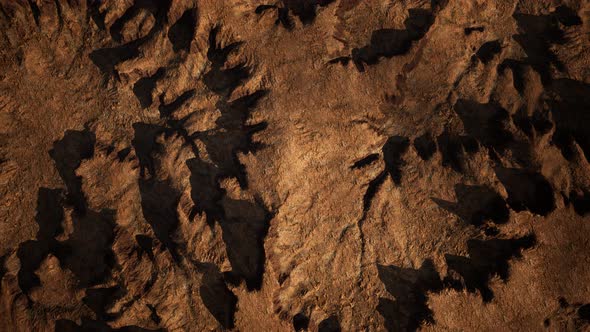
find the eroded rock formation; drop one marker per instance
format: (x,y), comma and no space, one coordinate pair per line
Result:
(195,165)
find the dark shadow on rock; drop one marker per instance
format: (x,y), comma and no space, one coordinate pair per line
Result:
(68,154)
(31,253)
(300,322)
(393,150)
(527,190)
(2,268)
(144,86)
(538,33)
(518,69)
(343,60)
(93,9)
(244,224)
(223,81)
(205,191)
(570,317)
(488,51)
(123,153)
(477,204)
(366,161)
(425,146)
(304,10)
(372,189)
(488,123)
(244,228)
(233,136)
(159,202)
(146,245)
(100,299)
(584,312)
(330,324)
(87,252)
(158,8)
(533,126)
(487,258)
(154,314)
(34,11)
(217,298)
(284,18)
(569,102)
(455,150)
(469,30)
(580,201)
(107,58)
(181,33)
(567,16)
(262,8)
(145,146)
(410,288)
(89,325)
(167,110)
(387,43)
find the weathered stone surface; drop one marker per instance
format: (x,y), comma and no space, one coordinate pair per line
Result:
(196,165)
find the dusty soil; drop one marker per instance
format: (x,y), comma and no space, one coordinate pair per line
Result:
(321,165)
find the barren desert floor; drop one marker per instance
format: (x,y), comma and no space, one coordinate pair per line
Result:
(294,165)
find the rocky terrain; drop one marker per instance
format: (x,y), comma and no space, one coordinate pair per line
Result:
(295,165)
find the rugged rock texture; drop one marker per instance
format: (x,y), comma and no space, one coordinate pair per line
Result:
(321,165)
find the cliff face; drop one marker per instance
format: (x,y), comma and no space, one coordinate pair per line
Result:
(195,165)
